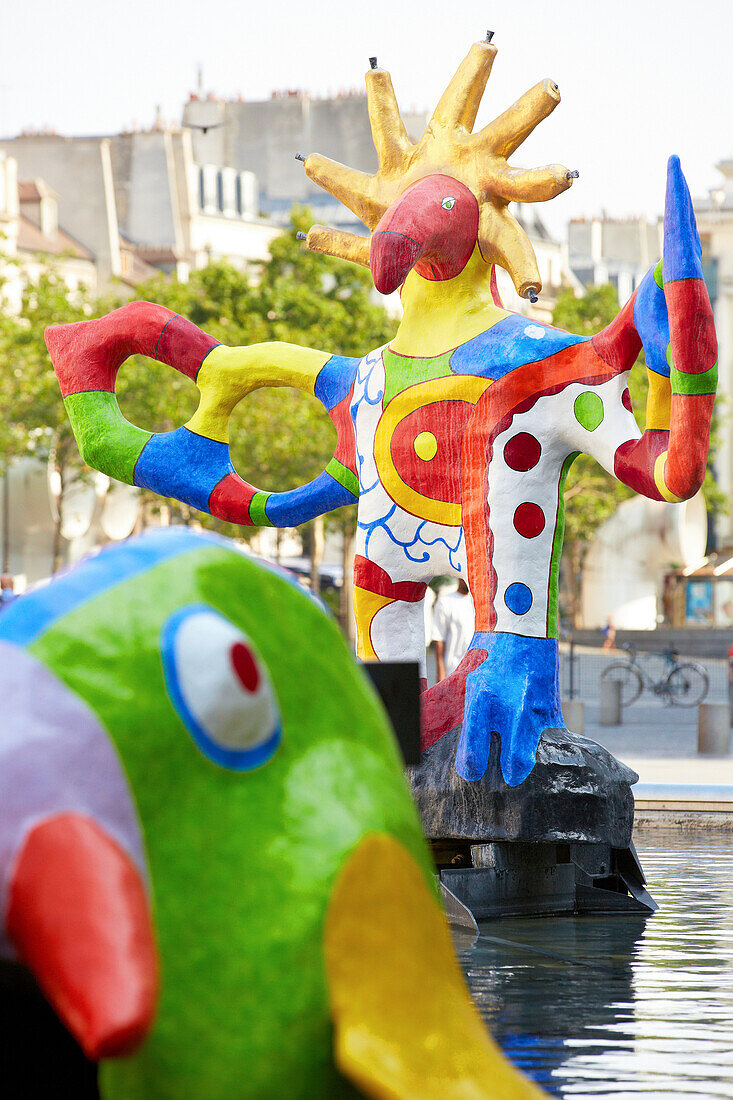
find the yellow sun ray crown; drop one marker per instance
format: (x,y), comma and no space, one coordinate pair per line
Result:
(449,146)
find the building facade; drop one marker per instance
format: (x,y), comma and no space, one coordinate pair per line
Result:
(139,203)
(263,136)
(31,236)
(616,251)
(715,222)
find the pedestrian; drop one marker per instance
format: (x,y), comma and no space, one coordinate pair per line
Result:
(609,635)
(7,591)
(453,628)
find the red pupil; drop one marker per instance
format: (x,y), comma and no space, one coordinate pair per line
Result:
(244,666)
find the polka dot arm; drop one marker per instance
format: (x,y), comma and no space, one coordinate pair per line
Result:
(671,316)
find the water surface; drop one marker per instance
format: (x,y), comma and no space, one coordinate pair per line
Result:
(622,1006)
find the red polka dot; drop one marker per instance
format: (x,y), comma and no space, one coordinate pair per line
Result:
(522,452)
(529,520)
(244,665)
(626,399)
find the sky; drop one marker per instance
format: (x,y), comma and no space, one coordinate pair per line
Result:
(639,79)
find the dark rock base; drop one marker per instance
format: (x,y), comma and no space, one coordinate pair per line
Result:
(558,843)
(577,791)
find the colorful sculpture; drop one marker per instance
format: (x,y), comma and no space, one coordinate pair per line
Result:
(456,438)
(209,858)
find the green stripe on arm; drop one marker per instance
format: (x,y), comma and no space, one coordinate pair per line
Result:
(553,625)
(106,441)
(694,385)
(257,512)
(687,384)
(344,476)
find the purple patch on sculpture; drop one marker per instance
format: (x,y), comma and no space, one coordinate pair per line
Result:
(55,757)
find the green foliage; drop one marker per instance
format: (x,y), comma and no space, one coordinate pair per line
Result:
(34,420)
(587,315)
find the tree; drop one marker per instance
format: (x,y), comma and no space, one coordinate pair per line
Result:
(35,421)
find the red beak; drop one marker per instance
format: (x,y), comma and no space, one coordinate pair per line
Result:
(432,227)
(78,917)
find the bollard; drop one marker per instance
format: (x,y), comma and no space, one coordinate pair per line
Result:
(713,728)
(610,714)
(573,712)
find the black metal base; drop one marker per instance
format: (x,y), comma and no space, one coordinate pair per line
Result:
(537,880)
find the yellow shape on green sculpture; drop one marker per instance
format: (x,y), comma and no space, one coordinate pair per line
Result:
(405,1027)
(426,446)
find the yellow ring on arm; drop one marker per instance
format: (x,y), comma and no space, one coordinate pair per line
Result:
(659,481)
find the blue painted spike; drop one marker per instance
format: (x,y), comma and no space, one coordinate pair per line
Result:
(682,248)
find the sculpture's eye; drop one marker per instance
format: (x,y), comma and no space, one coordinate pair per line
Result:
(448,203)
(219,685)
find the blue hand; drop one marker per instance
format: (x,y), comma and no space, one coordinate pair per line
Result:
(513,693)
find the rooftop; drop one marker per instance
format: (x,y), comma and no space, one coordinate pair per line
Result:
(31,239)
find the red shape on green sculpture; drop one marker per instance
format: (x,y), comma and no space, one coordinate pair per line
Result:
(79,919)
(437,477)
(529,520)
(245,666)
(522,451)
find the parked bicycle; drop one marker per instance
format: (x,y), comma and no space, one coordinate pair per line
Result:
(682,684)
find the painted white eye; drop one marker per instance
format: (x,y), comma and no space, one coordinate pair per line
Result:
(448,203)
(219,685)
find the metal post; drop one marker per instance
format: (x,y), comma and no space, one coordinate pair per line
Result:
(610,710)
(713,728)
(573,712)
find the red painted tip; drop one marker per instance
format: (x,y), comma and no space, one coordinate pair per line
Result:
(392,258)
(78,916)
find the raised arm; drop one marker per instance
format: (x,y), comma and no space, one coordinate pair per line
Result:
(192,463)
(670,315)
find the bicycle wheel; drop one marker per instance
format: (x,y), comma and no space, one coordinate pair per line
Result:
(687,685)
(629,678)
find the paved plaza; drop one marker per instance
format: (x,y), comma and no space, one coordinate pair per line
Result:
(657,741)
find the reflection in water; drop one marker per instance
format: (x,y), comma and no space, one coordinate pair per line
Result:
(623,1005)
